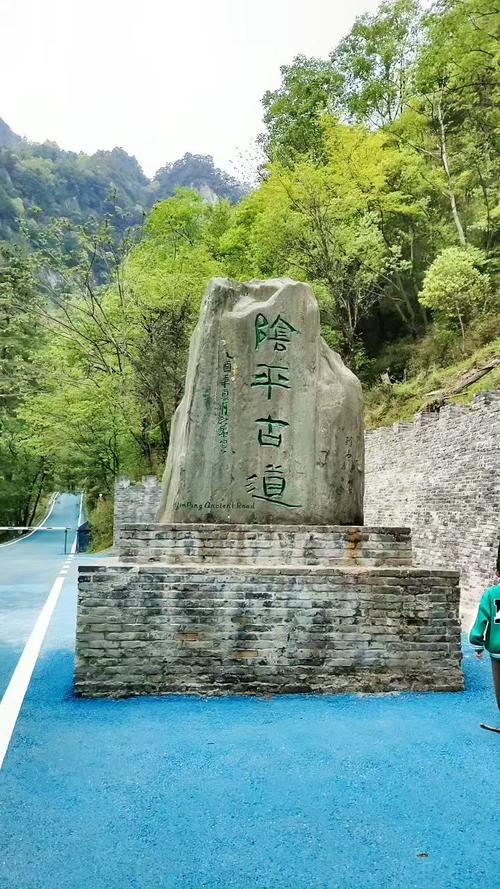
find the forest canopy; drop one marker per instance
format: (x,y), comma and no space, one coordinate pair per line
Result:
(379,186)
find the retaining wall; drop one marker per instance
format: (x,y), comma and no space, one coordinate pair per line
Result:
(441,476)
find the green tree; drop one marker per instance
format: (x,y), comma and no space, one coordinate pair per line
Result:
(375,62)
(24,475)
(293,113)
(113,369)
(330,224)
(455,288)
(453,114)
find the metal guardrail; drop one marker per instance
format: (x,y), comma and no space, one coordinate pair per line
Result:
(39,528)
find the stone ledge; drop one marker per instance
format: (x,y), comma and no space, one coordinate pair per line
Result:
(369,683)
(265,570)
(270,528)
(254,545)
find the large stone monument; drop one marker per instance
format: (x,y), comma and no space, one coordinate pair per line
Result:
(270,428)
(256,574)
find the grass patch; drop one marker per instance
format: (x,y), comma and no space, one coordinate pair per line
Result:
(101,521)
(388,403)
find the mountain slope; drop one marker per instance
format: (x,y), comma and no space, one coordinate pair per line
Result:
(41,182)
(8,138)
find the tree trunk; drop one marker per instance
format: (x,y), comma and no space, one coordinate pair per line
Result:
(37,500)
(446,165)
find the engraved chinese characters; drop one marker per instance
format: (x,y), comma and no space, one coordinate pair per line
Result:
(273,482)
(270,426)
(224,403)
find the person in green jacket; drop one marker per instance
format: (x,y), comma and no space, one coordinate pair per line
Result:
(485,634)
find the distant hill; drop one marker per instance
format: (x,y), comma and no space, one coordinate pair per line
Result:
(196,171)
(40,182)
(8,138)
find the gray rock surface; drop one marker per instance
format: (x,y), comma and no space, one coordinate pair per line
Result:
(270,428)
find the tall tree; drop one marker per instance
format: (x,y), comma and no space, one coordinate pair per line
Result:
(24,475)
(376,61)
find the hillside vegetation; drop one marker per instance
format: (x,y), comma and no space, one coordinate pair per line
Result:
(453,383)
(40,183)
(380,188)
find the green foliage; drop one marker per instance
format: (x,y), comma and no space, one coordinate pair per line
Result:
(375,62)
(454,286)
(42,183)
(381,190)
(112,366)
(101,520)
(25,475)
(351,226)
(390,403)
(428,84)
(310,88)
(440,347)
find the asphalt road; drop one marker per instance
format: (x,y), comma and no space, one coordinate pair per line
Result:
(28,568)
(347,792)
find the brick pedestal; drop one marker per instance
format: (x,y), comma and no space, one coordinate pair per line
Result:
(158,629)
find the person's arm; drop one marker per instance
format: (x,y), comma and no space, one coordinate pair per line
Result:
(478,631)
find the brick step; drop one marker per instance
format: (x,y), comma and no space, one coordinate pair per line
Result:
(264,545)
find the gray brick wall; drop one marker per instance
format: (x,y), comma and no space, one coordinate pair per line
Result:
(264,544)
(135,502)
(158,629)
(441,476)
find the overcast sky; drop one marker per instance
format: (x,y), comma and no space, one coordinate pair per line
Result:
(156,77)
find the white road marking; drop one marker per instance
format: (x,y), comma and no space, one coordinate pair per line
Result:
(25,536)
(12,701)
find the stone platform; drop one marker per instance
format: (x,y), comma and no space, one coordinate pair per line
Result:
(328,545)
(199,625)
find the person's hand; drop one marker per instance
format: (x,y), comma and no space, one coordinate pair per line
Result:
(479,654)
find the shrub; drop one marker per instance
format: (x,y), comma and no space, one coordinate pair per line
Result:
(455,288)
(438,348)
(101,520)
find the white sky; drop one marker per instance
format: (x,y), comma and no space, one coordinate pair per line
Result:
(156,77)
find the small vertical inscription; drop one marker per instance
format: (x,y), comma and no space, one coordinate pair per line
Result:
(223,418)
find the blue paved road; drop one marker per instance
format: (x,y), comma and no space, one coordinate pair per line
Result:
(28,569)
(289,793)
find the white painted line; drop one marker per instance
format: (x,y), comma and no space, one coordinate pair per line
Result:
(12,701)
(25,536)
(63,572)
(73,548)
